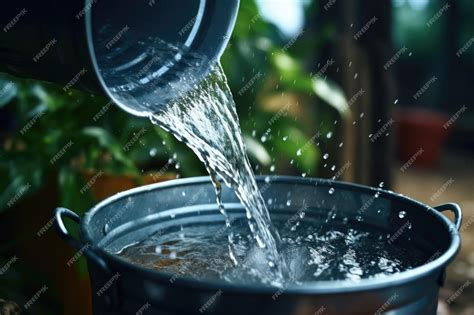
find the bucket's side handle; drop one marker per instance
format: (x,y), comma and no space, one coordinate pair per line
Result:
(454,208)
(109,299)
(77,244)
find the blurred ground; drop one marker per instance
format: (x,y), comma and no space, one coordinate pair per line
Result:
(455,172)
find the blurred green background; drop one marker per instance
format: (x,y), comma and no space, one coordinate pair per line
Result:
(281,51)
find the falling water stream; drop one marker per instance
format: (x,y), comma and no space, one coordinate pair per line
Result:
(200,111)
(206,120)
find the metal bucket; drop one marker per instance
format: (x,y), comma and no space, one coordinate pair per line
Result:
(120,287)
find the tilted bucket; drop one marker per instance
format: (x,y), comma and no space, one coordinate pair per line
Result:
(120,287)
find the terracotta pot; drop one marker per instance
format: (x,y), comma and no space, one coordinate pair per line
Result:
(421,136)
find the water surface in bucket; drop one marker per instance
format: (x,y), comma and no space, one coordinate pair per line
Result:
(311,254)
(204,117)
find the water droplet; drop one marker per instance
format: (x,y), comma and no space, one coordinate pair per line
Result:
(298,153)
(359,218)
(106,228)
(329,135)
(356,75)
(175,156)
(172,255)
(381,184)
(303,175)
(333,168)
(331,191)
(177,166)
(292,161)
(183,194)
(164,142)
(402,214)
(271,264)
(263,139)
(288,203)
(341,144)
(325,156)
(272,168)
(396,101)
(370,136)
(377,194)
(267,179)
(158,249)
(285,138)
(254,133)
(361,115)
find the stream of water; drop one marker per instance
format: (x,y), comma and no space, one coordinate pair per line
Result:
(200,111)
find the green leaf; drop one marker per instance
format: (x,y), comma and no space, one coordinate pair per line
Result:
(300,148)
(106,141)
(256,150)
(293,77)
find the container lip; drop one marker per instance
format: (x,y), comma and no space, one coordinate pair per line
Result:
(312,287)
(95,64)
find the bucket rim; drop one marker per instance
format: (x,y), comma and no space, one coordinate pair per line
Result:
(434,267)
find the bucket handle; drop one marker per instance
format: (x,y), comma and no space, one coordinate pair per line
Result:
(454,208)
(109,299)
(75,243)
